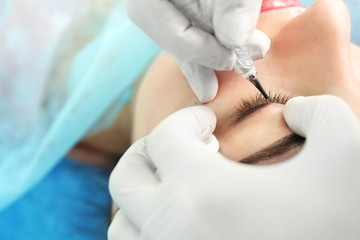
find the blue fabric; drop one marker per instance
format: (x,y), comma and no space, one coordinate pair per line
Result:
(71,202)
(89,100)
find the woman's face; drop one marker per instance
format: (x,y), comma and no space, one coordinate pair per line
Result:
(310,54)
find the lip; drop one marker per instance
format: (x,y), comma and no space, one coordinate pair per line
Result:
(269,5)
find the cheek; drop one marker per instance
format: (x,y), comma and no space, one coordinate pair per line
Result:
(253,134)
(305,55)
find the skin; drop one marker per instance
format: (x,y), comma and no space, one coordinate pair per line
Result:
(307,49)
(310,54)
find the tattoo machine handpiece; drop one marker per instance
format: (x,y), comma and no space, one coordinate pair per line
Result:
(200,14)
(245,67)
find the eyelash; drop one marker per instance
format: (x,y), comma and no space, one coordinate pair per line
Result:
(259,101)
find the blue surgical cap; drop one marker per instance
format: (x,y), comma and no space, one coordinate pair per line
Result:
(99,83)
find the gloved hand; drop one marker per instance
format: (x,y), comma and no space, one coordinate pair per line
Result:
(171,185)
(193,43)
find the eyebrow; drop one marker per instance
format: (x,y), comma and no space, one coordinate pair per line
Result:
(277,148)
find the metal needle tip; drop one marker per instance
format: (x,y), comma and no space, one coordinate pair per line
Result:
(257,84)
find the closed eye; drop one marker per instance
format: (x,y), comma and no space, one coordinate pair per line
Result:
(249,106)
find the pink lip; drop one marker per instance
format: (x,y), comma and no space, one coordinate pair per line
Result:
(269,5)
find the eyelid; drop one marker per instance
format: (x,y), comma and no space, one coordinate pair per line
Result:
(255,103)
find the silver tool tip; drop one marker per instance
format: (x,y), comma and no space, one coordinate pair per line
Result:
(257,84)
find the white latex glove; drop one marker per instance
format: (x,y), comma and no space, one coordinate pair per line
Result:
(171,185)
(193,42)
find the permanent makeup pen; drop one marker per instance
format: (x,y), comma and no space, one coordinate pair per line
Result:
(245,67)
(200,16)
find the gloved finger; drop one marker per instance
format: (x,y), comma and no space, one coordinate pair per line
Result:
(258,45)
(133,180)
(235,21)
(133,175)
(121,228)
(202,80)
(168,27)
(322,119)
(174,139)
